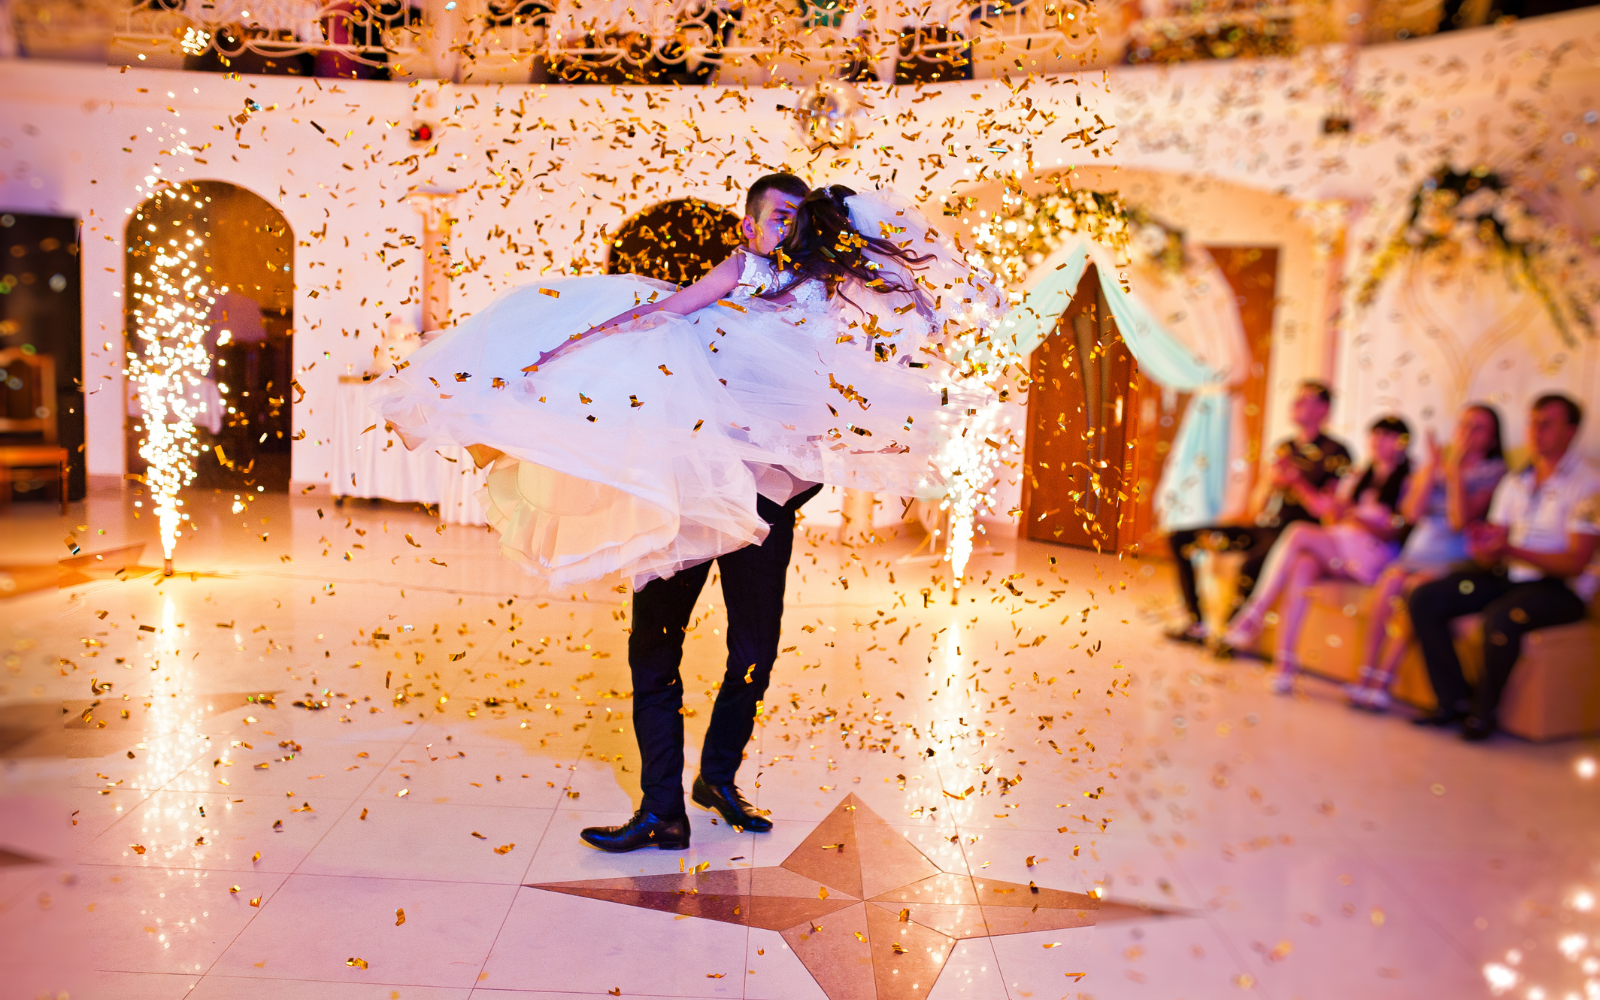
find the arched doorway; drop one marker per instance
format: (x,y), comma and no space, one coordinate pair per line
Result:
(246,251)
(676,241)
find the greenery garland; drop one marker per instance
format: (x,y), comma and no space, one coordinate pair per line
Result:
(1454,214)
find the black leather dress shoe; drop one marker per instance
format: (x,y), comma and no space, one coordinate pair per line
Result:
(1475,729)
(1438,719)
(645,829)
(727,800)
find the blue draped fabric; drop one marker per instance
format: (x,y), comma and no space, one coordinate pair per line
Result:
(1194,482)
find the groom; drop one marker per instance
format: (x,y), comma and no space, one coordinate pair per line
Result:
(752,589)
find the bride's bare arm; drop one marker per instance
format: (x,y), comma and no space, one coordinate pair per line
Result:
(717,284)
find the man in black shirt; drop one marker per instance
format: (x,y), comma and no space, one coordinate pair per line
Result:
(1309,463)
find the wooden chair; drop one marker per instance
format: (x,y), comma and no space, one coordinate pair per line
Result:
(28,386)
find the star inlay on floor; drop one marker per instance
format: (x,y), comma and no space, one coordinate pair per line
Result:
(869,915)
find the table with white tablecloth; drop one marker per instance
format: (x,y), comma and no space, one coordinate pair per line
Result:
(370,461)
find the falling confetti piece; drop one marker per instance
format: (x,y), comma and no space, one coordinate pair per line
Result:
(504,848)
(137,848)
(399,916)
(358,963)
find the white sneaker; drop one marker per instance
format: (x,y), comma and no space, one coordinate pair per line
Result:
(1355,694)
(1377,700)
(1280,682)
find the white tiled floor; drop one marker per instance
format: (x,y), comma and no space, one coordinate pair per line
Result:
(1305,850)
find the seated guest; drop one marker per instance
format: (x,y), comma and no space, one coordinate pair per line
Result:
(1357,540)
(1448,493)
(1305,469)
(1531,558)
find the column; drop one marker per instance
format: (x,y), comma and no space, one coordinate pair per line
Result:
(436,221)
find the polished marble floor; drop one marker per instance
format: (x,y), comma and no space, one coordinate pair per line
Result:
(345,754)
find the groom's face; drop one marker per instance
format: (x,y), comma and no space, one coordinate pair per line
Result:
(770,224)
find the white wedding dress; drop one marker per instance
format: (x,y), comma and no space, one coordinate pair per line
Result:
(642,451)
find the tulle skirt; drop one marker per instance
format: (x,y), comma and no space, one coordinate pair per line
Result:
(642,451)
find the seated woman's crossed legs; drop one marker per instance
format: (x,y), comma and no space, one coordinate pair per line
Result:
(1305,554)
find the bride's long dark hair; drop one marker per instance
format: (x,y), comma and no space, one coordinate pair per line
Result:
(823,245)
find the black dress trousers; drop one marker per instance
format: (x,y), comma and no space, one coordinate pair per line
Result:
(753,580)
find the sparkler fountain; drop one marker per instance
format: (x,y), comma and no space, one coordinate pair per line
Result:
(969,461)
(170,302)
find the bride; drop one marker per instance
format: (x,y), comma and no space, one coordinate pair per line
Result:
(637,442)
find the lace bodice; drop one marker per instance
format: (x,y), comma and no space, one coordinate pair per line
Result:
(758,275)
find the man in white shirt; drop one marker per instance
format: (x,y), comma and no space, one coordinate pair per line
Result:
(1532,557)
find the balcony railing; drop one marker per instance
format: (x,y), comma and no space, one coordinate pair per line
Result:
(684,41)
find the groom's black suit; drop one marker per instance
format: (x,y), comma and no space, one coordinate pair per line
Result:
(753,579)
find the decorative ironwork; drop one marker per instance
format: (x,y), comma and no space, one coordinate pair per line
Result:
(684,41)
(1228,31)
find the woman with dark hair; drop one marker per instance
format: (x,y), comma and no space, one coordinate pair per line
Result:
(1450,492)
(825,246)
(1358,538)
(638,442)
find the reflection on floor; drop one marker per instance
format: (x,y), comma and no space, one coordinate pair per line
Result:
(346,754)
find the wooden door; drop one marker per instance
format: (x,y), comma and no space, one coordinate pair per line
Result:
(1077,455)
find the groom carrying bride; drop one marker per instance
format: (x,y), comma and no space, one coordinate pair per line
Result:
(752,589)
(692,426)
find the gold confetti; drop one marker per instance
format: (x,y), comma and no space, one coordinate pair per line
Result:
(137,848)
(504,848)
(358,963)
(399,916)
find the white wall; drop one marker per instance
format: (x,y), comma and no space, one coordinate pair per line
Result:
(82,140)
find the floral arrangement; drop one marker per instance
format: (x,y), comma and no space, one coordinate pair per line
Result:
(1473,217)
(1028,228)
(1155,242)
